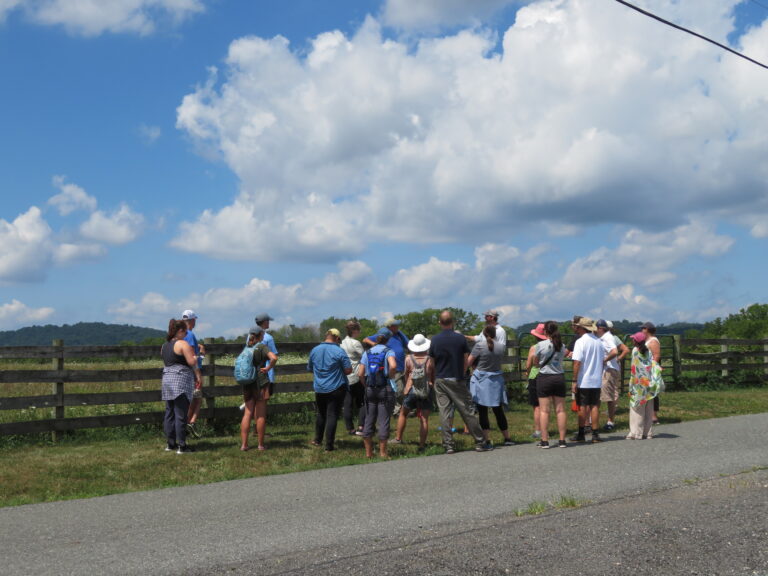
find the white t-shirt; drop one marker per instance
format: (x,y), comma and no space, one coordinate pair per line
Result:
(589,350)
(501,336)
(609,343)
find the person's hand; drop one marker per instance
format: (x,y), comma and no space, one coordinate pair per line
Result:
(264,370)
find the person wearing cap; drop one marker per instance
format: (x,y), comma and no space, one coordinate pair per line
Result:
(615,350)
(450,351)
(645,384)
(487,385)
(532,371)
(653,344)
(379,394)
(424,369)
(190,318)
(492,320)
(330,366)
(588,358)
(255,395)
(262,321)
(397,342)
(550,382)
(610,388)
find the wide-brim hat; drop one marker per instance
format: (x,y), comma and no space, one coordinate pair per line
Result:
(419,343)
(586,323)
(539,332)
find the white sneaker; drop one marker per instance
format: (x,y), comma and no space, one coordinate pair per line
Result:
(242,407)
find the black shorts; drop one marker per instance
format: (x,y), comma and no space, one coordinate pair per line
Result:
(550,385)
(533,398)
(588,396)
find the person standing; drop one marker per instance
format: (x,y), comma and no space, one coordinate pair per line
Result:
(397,342)
(181,376)
(645,384)
(532,371)
(330,366)
(419,389)
(354,401)
(550,382)
(376,369)
(588,357)
(499,334)
(450,350)
(262,321)
(611,388)
(653,344)
(255,395)
(190,318)
(487,385)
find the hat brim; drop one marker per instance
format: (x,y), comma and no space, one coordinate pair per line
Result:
(539,335)
(423,348)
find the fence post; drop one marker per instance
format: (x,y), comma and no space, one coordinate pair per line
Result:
(677,359)
(765,357)
(210,382)
(724,361)
(58,387)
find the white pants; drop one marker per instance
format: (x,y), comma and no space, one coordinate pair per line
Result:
(641,421)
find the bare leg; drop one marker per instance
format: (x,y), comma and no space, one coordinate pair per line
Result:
(544,418)
(562,417)
(423,428)
(401,422)
(260,417)
(245,424)
(194,410)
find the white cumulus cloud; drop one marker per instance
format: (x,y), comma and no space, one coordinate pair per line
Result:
(120,227)
(26,247)
(14,314)
(72,197)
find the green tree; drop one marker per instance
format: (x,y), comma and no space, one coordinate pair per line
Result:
(367,327)
(426,322)
(750,323)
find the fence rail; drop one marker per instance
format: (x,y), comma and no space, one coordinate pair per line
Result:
(681,358)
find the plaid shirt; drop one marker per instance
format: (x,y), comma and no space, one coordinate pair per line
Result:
(177,380)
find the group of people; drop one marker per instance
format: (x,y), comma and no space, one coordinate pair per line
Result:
(388,375)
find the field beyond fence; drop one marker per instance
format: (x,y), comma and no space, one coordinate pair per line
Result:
(59,388)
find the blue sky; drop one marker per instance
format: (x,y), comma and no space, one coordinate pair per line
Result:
(358,157)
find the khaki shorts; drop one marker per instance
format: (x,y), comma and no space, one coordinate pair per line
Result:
(609,392)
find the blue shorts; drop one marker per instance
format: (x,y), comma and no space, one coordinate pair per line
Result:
(412,403)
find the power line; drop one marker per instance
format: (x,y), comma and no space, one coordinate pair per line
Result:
(760,4)
(668,23)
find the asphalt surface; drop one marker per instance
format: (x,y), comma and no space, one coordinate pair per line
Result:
(694,500)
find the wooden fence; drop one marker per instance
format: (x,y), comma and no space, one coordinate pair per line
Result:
(683,360)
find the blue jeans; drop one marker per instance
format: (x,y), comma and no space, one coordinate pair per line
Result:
(175,420)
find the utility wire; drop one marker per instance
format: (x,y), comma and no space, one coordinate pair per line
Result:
(760,4)
(668,23)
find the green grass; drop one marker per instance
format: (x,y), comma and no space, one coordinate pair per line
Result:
(92,463)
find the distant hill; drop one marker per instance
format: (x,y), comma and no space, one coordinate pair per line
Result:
(80,334)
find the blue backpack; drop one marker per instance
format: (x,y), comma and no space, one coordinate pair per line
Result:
(377,368)
(245,371)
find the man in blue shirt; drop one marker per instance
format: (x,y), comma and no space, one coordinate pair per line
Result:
(450,351)
(398,342)
(329,365)
(190,318)
(262,320)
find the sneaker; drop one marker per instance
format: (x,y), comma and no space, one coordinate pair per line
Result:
(508,443)
(578,438)
(194,429)
(394,441)
(609,426)
(170,447)
(242,407)
(536,434)
(596,438)
(421,449)
(484,447)
(358,432)
(450,451)
(184,449)
(544,444)
(562,444)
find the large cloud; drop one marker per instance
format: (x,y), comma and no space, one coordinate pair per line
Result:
(15,313)
(588,113)
(94,17)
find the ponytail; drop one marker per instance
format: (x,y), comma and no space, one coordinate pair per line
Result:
(490,333)
(173,327)
(552,329)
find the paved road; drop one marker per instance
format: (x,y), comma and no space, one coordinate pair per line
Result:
(456,515)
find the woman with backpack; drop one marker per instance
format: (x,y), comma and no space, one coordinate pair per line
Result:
(487,385)
(256,393)
(419,389)
(377,368)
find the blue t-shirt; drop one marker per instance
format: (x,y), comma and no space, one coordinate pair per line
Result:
(397,342)
(327,362)
(378,348)
(269,342)
(192,340)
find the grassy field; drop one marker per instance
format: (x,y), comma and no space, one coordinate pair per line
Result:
(100,462)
